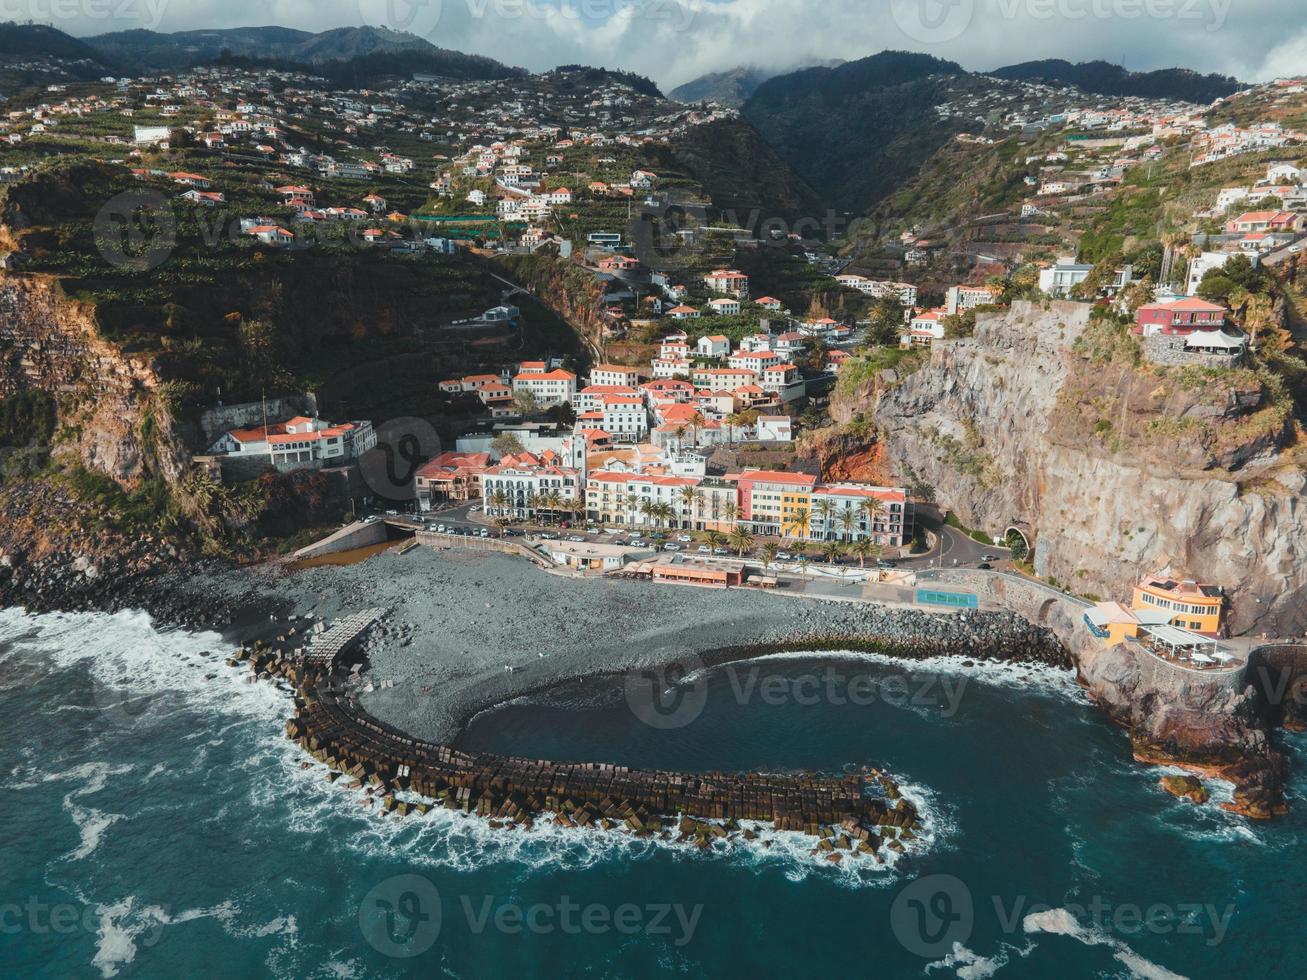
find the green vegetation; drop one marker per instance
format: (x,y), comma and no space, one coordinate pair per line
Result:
(1134,214)
(857,371)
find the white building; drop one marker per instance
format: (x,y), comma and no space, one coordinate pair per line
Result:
(959,299)
(526,481)
(298,443)
(715,345)
(775,428)
(624,417)
(1205,263)
(549,387)
(615,374)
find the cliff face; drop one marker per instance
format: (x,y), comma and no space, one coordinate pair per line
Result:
(113,414)
(1112,471)
(1214,723)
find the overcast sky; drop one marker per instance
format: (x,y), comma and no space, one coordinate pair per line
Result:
(673,41)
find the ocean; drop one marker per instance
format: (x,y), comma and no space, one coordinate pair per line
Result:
(159,824)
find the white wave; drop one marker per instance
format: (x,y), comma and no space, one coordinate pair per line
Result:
(1021,676)
(968,964)
(125,652)
(91,822)
(138,669)
(1207,821)
(124,928)
(1061,922)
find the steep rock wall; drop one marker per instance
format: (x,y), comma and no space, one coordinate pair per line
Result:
(113,413)
(980,422)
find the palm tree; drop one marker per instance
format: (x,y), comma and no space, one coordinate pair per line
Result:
(499,501)
(831,550)
(798,522)
(872,508)
(733,421)
(696,422)
(848,521)
(690,496)
(825,508)
(552,501)
(646,511)
(769,552)
(741,540)
(664,512)
(862,548)
(680,436)
(715,539)
(531,504)
(731,511)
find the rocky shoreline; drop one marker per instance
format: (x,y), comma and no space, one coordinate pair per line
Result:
(466,632)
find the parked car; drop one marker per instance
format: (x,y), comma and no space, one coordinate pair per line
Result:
(576,539)
(986,566)
(671,546)
(684,538)
(721,551)
(704,550)
(989,557)
(440,528)
(485,532)
(784,556)
(548,536)
(370,520)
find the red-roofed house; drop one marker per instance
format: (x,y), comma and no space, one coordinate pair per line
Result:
(729,281)
(1180,317)
(450,476)
(298,443)
(1272,221)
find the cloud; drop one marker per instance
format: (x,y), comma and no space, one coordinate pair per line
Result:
(673,41)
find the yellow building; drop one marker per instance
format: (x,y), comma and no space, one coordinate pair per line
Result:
(1190,605)
(796,514)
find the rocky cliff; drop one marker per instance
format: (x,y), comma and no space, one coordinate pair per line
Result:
(1213,722)
(113,409)
(1046,421)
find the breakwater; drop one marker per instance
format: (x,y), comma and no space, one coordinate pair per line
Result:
(517,791)
(849,814)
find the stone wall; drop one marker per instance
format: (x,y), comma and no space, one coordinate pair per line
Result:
(220,419)
(1040,604)
(1170,351)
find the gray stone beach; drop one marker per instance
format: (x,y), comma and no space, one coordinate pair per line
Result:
(466,631)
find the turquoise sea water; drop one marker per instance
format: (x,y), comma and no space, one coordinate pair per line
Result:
(172,832)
